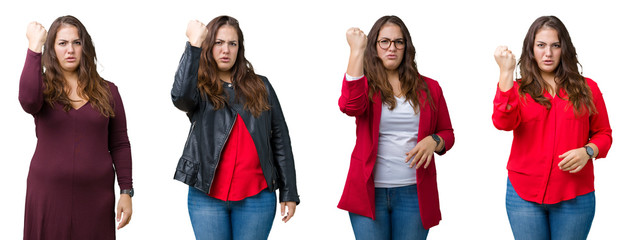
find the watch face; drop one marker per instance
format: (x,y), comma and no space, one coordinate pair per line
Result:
(590,151)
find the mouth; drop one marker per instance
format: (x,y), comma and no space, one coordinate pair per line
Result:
(548,62)
(71,59)
(391,56)
(224,59)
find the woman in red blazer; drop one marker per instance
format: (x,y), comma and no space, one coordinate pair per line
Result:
(559,123)
(402,119)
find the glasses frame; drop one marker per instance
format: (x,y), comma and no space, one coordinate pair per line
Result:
(390,43)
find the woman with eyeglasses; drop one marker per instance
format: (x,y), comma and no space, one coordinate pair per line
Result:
(402,120)
(238,150)
(82,141)
(559,123)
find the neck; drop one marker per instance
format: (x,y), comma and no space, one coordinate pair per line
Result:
(550,79)
(225,76)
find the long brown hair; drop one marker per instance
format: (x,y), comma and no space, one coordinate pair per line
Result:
(90,85)
(411,81)
(566,75)
(246,82)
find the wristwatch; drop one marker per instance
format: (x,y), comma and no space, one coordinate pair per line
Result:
(130,192)
(436,138)
(590,151)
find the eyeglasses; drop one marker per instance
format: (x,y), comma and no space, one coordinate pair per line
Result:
(385,43)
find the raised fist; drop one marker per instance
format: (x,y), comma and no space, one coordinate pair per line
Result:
(196,33)
(36,35)
(505,59)
(356,39)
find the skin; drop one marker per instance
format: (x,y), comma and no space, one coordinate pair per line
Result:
(196,32)
(547,52)
(67,44)
(68,49)
(423,152)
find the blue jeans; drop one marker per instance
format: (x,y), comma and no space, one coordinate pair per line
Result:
(570,219)
(397,216)
(250,218)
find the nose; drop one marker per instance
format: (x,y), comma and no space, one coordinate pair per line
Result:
(548,51)
(225,48)
(392,47)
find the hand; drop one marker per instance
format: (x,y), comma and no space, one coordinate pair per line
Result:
(196,33)
(422,153)
(124,207)
(290,211)
(36,35)
(506,61)
(573,160)
(356,39)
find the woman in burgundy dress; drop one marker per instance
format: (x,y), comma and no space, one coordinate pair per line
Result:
(81,138)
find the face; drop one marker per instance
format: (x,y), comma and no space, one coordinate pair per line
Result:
(225,47)
(68,48)
(547,50)
(391,56)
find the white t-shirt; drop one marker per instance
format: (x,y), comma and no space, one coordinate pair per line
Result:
(398,132)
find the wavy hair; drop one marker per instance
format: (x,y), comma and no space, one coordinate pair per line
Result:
(411,81)
(90,85)
(567,75)
(246,83)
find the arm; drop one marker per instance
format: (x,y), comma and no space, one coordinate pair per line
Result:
(505,114)
(120,150)
(282,152)
(31,86)
(354,99)
(423,152)
(599,129)
(185,94)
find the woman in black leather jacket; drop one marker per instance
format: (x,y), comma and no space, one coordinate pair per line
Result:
(238,150)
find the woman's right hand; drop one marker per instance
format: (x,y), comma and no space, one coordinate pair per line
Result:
(506,61)
(196,33)
(357,41)
(36,35)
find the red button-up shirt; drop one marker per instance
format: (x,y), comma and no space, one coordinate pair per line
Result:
(540,135)
(239,174)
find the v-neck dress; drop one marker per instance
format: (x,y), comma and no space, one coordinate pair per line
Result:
(70,185)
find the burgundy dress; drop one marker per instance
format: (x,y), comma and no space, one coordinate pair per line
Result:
(70,185)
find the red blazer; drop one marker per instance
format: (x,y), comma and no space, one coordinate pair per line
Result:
(359,192)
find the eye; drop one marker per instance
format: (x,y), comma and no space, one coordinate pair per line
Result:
(218,43)
(62,44)
(556,45)
(399,42)
(539,44)
(384,41)
(77,43)
(233,44)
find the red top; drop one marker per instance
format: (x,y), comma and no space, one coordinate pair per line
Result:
(541,135)
(359,192)
(238,174)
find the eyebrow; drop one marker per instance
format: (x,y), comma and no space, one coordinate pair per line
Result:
(550,43)
(64,40)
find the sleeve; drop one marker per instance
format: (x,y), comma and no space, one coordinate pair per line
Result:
(118,142)
(506,109)
(185,94)
(354,98)
(283,154)
(599,128)
(31,93)
(443,125)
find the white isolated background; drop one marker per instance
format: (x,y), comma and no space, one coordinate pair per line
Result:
(301,47)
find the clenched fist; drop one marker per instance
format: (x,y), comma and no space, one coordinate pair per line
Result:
(196,33)
(356,39)
(506,61)
(36,35)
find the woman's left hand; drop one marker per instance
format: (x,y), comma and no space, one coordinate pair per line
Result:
(573,160)
(290,212)
(421,153)
(124,207)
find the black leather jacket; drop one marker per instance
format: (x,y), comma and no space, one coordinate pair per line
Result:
(210,129)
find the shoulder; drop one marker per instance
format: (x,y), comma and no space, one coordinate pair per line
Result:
(112,87)
(431,84)
(592,85)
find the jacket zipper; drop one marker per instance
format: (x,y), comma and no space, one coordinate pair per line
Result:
(222,146)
